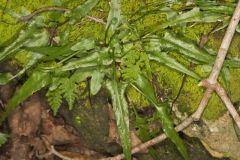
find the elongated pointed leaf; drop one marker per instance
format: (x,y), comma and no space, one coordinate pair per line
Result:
(194,15)
(52,52)
(120,109)
(226,76)
(25,37)
(83,45)
(82,10)
(114,16)
(94,59)
(232,63)
(214,6)
(7,77)
(170,41)
(143,85)
(96,82)
(170,62)
(187,48)
(35,82)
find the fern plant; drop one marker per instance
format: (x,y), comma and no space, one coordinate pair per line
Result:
(120,60)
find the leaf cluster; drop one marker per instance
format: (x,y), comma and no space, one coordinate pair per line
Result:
(121,60)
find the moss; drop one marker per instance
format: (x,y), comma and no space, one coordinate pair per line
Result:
(195,31)
(136,99)
(235,85)
(22,57)
(7,31)
(215,108)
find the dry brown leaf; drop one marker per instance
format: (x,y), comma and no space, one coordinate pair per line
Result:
(25,121)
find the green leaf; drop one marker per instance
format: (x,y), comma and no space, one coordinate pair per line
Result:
(84,45)
(226,76)
(35,82)
(52,52)
(194,15)
(34,58)
(170,62)
(54,99)
(238,28)
(30,34)
(233,63)
(187,48)
(38,39)
(214,6)
(3,138)
(96,82)
(120,109)
(80,76)
(81,11)
(5,78)
(143,85)
(114,16)
(92,60)
(69,89)
(85,62)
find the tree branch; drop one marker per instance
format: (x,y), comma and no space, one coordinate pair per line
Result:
(213,85)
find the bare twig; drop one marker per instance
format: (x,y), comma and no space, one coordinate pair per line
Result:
(226,100)
(53,152)
(56,8)
(213,85)
(41,10)
(95,19)
(222,52)
(56,153)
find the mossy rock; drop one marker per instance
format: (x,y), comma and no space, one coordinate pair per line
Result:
(88,117)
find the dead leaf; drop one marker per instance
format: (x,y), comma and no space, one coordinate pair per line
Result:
(25,121)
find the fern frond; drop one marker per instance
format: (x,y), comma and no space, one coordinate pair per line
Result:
(54,99)
(134,64)
(69,90)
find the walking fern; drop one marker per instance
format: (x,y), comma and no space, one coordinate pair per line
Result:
(120,60)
